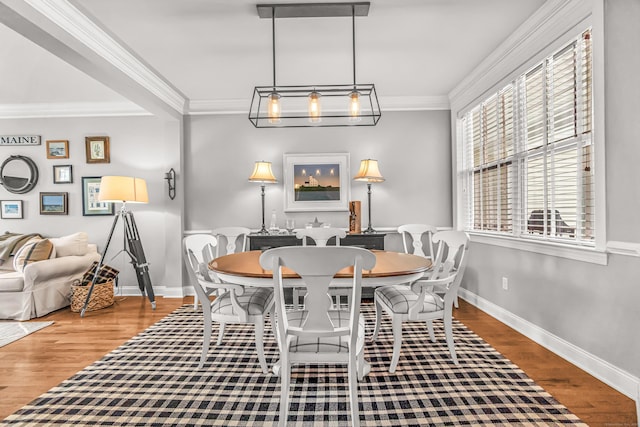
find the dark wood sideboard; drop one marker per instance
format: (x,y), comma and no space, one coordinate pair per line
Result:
(267,241)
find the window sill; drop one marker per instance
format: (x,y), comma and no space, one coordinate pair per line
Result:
(583,254)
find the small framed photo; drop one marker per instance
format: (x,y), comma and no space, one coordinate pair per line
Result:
(53,204)
(11,209)
(57,149)
(90,194)
(62,174)
(97,149)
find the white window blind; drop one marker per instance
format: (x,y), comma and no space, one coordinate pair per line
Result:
(527,166)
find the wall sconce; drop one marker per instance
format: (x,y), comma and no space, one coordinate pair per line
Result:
(171,181)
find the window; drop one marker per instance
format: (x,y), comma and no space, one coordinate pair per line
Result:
(527,166)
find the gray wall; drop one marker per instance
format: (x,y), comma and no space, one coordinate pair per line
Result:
(412,149)
(591,306)
(219,153)
(140,146)
(622,57)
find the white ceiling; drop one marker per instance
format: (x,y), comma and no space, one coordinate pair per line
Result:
(217,50)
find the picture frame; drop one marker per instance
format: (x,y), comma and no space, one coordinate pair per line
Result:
(316,182)
(62,174)
(11,209)
(58,149)
(54,203)
(97,149)
(91,206)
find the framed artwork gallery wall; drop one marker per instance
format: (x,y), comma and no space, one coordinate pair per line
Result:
(34,150)
(140,145)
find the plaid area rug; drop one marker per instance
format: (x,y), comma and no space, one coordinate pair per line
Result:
(153,380)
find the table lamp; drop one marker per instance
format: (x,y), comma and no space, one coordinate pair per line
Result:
(369,173)
(262,173)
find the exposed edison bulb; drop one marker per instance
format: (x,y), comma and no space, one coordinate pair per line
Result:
(273,108)
(314,107)
(354,106)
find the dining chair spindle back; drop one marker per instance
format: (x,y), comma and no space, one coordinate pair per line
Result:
(319,333)
(321,237)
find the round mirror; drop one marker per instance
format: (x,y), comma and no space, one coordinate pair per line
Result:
(18,174)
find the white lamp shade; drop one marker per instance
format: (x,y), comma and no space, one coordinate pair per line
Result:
(123,189)
(369,171)
(262,173)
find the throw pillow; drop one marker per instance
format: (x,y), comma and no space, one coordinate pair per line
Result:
(31,252)
(73,244)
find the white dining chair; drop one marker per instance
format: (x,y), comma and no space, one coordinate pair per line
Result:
(204,247)
(450,239)
(318,333)
(230,236)
(235,237)
(423,300)
(412,239)
(233,304)
(321,236)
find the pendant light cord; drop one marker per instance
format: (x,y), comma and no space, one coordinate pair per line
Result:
(353,31)
(273,44)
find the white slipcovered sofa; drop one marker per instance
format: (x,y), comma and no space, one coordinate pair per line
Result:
(34,288)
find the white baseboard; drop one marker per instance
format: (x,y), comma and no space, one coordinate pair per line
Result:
(172,292)
(163,291)
(615,377)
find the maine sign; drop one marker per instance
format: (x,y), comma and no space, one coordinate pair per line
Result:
(19,139)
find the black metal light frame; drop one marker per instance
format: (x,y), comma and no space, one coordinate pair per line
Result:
(335,98)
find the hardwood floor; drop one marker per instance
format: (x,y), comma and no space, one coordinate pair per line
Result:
(38,362)
(593,401)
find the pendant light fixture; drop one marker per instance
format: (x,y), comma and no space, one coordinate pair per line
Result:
(273,106)
(314,105)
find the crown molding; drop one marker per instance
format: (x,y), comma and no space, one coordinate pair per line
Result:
(66,16)
(553,19)
(71,109)
(414,103)
(195,108)
(390,103)
(205,107)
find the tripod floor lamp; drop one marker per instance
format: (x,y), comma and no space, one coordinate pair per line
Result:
(263,174)
(369,173)
(125,189)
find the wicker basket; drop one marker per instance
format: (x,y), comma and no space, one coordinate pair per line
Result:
(101,297)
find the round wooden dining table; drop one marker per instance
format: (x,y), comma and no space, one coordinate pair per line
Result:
(392,268)
(243,268)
